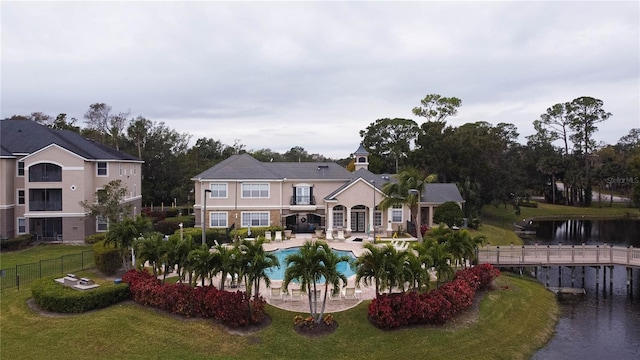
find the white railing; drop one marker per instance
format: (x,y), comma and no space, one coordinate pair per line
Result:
(559,255)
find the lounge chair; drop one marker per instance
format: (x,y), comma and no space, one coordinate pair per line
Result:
(295,294)
(278,236)
(340,235)
(349,293)
(267,236)
(275,293)
(335,295)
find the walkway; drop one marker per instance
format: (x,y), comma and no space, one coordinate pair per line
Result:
(559,255)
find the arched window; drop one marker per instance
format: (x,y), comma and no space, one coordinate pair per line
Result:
(45,172)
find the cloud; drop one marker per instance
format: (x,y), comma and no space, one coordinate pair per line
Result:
(313,74)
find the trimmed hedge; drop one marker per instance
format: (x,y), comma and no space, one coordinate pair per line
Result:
(231,308)
(52,296)
(107,258)
(16,243)
(436,307)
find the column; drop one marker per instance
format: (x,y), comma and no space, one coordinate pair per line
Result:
(329,222)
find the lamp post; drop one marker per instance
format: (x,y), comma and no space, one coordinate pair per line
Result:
(373,218)
(418,215)
(204,216)
(181,226)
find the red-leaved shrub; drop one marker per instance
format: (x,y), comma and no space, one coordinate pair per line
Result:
(231,308)
(436,307)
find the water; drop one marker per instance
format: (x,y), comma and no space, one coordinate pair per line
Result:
(606,323)
(275,273)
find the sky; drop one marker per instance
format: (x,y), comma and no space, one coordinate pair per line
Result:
(275,75)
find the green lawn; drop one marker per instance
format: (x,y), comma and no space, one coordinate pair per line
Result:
(513,321)
(37,253)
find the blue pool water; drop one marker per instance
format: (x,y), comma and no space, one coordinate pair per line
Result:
(278,273)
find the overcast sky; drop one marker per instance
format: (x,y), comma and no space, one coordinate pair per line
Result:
(313,74)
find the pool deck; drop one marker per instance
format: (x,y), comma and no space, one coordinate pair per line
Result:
(302,305)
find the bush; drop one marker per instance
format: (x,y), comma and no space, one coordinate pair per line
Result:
(528,203)
(92,239)
(107,258)
(207,302)
(449,213)
(52,296)
(436,307)
(16,243)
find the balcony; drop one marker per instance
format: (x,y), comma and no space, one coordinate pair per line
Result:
(45,200)
(302,203)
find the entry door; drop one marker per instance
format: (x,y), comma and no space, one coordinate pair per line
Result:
(358,221)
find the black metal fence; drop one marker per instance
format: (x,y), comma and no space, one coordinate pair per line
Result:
(24,274)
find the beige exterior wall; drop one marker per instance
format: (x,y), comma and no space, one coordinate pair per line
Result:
(79,182)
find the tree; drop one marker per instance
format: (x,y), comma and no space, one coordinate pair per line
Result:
(400,192)
(308,266)
(61,123)
(448,213)
(137,132)
(371,267)
(200,260)
(255,261)
(97,118)
(296,154)
(437,108)
(110,203)
(150,249)
(390,138)
(583,114)
(440,260)
(122,233)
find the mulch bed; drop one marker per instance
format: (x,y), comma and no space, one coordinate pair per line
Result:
(316,330)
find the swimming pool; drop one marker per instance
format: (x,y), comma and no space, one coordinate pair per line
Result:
(275,273)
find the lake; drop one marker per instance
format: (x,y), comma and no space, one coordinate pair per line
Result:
(606,323)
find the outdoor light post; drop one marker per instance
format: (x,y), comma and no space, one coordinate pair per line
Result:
(204,216)
(418,232)
(181,226)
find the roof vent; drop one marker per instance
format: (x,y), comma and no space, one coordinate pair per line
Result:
(322,167)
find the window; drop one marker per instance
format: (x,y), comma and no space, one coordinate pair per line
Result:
(303,195)
(255,219)
(255,190)
(22,226)
(120,169)
(101,169)
(338,216)
(102,224)
(20,168)
(20,196)
(377,218)
(45,172)
(45,199)
(218,219)
(218,190)
(396,214)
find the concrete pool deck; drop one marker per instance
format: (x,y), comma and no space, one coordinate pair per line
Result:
(302,305)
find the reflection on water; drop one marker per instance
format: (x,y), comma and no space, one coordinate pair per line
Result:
(606,323)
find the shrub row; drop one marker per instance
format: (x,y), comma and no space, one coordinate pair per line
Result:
(231,308)
(19,242)
(51,296)
(436,307)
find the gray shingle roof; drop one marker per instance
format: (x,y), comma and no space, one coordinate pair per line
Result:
(26,137)
(439,193)
(245,166)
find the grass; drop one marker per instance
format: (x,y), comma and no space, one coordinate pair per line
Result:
(513,323)
(37,253)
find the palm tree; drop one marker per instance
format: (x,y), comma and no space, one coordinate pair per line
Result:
(416,267)
(400,192)
(308,266)
(224,261)
(150,249)
(371,267)
(398,273)
(255,261)
(440,260)
(200,260)
(331,274)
